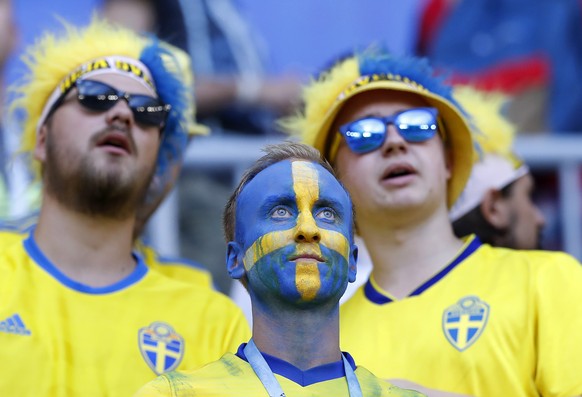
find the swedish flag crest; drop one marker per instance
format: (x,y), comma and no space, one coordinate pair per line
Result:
(465,321)
(161,347)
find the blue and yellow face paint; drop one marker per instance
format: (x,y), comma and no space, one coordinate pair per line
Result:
(294,224)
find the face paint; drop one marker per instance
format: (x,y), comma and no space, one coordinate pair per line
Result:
(306,186)
(294,222)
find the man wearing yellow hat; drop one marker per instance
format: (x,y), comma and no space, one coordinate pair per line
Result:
(81,314)
(448,314)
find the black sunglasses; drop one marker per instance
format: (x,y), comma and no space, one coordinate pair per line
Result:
(100,97)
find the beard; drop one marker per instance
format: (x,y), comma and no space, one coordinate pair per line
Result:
(77,183)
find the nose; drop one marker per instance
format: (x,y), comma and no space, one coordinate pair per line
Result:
(120,112)
(306,230)
(394,141)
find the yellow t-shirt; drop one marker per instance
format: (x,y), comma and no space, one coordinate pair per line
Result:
(232,376)
(62,338)
(494,322)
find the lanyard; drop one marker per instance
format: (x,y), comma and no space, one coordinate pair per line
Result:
(267,378)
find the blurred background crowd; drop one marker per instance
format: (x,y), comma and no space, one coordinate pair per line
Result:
(250,57)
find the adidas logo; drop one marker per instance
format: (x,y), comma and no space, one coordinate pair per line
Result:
(14,325)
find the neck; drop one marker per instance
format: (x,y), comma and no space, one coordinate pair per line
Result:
(406,254)
(305,338)
(94,251)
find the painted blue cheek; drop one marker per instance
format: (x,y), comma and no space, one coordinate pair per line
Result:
(275,273)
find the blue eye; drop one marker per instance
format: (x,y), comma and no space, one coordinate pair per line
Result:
(327,214)
(281,212)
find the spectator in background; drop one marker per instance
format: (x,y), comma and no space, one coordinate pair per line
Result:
(104,107)
(497,203)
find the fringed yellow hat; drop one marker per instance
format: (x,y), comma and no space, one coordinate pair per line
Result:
(498,165)
(55,60)
(377,70)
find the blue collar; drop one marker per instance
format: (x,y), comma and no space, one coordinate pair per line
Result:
(38,256)
(380,298)
(303,378)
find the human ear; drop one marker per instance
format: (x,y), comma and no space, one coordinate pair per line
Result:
(234,260)
(40,145)
(495,209)
(352,265)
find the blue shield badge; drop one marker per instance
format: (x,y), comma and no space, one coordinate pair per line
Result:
(161,347)
(465,321)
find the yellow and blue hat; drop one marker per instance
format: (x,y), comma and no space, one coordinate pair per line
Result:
(378,70)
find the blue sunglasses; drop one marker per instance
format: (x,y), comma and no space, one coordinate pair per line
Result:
(369,133)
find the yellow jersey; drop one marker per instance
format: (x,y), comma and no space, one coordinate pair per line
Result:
(494,322)
(232,376)
(61,338)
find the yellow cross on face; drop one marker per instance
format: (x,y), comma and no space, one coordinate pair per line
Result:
(296,229)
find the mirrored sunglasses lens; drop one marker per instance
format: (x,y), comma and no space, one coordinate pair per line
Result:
(365,135)
(416,125)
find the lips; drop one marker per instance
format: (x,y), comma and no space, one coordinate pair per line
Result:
(398,170)
(118,141)
(305,257)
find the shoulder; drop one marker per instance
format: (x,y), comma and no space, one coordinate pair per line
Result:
(9,236)
(537,259)
(207,310)
(158,387)
(207,379)
(178,268)
(183,290)
(12,250)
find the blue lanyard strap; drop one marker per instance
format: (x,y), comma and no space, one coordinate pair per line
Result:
(267,378)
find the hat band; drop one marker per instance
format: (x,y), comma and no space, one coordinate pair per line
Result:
(121,65)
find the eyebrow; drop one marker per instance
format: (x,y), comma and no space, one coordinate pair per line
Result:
(275,199)
(331,202)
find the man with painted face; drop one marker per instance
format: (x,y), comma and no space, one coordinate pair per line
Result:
(80,312)
(288,226)
(496,203)
(450,314)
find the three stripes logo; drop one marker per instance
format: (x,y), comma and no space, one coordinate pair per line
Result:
(14,325)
